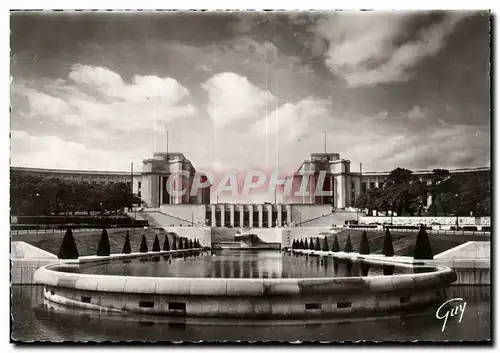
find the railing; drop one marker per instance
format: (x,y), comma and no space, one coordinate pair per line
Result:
(191,223)
(62,231)
(429,231)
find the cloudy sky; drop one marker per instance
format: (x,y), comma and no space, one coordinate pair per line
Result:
(246,90)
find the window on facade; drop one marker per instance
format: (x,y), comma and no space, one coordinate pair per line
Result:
(139,194)
(372,185)
(139,185)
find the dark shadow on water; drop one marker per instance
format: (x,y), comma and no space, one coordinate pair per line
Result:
(365,268)
(388,270)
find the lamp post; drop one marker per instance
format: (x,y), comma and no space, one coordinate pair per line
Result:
(36,210)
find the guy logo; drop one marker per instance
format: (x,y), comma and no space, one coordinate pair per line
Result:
(441,314)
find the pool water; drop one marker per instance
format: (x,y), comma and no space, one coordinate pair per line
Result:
(242,264)
(34,320)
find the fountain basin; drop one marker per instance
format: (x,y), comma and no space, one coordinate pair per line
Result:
(243,297)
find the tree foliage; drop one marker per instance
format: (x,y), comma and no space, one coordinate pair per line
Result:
(336,246)
(404,193)
(166,245)
(364,246)
(388,249)
(317,245)
(31,195)
(423,248)
(348,244)
(68,248)
(103,248)
(144,245)
(127,249)
(325,245)
(156,244)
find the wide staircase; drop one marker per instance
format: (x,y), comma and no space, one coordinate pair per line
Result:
(159,219)
(223,235)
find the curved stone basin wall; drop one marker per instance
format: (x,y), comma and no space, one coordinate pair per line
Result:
(249,298)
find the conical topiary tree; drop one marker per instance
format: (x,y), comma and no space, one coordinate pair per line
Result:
(311,244)
(68,248)
(144,244)
(293,244)
(186,243)
(191,244)
(156,244)
(325,245)
(364,246)
(103,248)
(181,245)
(126,246)
(336,246)
(388,247)
(348,244)
(306,244)
(423,248)
(317,246)
(174,244)
(166,245)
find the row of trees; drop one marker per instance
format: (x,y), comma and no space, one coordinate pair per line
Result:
(404,193)
(30,195)
(68,249)
(423,249)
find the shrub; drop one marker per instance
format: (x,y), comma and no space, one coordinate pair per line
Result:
(103,248)
(181,244)
(166,245)
(336,246)
(348,244)
(423,248)
(317,246)
(388,247)
(186,243)
(364,247)
(68,248)
(126,246)
(156,244)
(174,244)
(144,244)
(325,245)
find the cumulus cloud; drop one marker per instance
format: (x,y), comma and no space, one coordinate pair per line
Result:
(96,97)
(233,98)
(367,48)
(48,151)
(293,120)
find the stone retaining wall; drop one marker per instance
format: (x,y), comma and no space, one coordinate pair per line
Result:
(283,297)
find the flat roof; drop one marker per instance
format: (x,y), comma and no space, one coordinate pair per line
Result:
(73,171)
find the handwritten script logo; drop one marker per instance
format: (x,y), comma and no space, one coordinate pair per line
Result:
(442,314)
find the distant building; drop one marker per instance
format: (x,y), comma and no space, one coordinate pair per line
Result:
(151,186)
(345,184)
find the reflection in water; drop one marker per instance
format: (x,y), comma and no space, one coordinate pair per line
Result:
(365,268)
(388,270)
(32,320)
(242,264)
(348,267)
